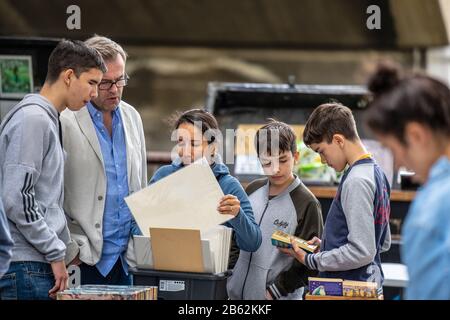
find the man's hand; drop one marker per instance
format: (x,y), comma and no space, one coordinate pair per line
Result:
(61,278)
(268,295)
(76,261)
(229,204)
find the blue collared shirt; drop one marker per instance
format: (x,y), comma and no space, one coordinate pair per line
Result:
(117,218)
(426,237)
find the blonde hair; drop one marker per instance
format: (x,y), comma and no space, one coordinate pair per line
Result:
(107,48)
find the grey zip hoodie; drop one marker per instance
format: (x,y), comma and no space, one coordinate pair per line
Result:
(295,211)
(31,180)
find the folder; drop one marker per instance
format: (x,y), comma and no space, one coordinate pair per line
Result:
(177,249)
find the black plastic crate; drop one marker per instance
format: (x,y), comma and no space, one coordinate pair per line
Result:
(184,285)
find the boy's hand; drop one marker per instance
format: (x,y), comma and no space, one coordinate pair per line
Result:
(295,252)
(61,278)
(316,242)
(229,204)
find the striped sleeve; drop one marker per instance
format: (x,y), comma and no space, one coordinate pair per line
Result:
(274,292)
(310,262)
(28,200)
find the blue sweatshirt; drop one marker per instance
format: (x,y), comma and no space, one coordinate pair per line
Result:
(357,227)
(248,234)
(426,237)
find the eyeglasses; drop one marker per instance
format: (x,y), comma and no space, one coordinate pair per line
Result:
(106,85)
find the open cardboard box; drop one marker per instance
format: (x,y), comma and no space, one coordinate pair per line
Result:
(179,214)
(171,250)
(184,250)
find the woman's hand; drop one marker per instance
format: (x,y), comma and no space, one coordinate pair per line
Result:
(229,204)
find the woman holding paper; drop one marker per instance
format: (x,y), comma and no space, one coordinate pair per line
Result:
(197,131)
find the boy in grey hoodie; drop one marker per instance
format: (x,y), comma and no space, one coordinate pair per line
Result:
(32,171)
(280,202)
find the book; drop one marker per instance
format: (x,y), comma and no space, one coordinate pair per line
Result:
(325,286)
(359,289)
(283,240)
(109,292)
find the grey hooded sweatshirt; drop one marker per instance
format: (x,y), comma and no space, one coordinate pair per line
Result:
(31,180)
(295,211)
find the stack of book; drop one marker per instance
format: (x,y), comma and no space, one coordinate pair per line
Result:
(359,289)
(346,289)
(283,240)
(109,292)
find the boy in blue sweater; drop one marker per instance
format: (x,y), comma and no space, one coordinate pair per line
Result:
(357,225)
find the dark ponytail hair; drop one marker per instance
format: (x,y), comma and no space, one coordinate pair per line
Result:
(194,117)
(400,98)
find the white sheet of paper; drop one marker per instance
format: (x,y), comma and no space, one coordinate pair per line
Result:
(220,241)
(186,199)
(227,242)
(143,249)
(214,241)
(208,257)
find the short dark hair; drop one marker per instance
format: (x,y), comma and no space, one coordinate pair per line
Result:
(327,120)
(400,97)
(73,54)
(284,133)
(195,116)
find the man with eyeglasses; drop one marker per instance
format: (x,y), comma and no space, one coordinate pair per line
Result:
(106,161)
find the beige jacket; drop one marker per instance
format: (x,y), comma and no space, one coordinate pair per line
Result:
(85,178)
